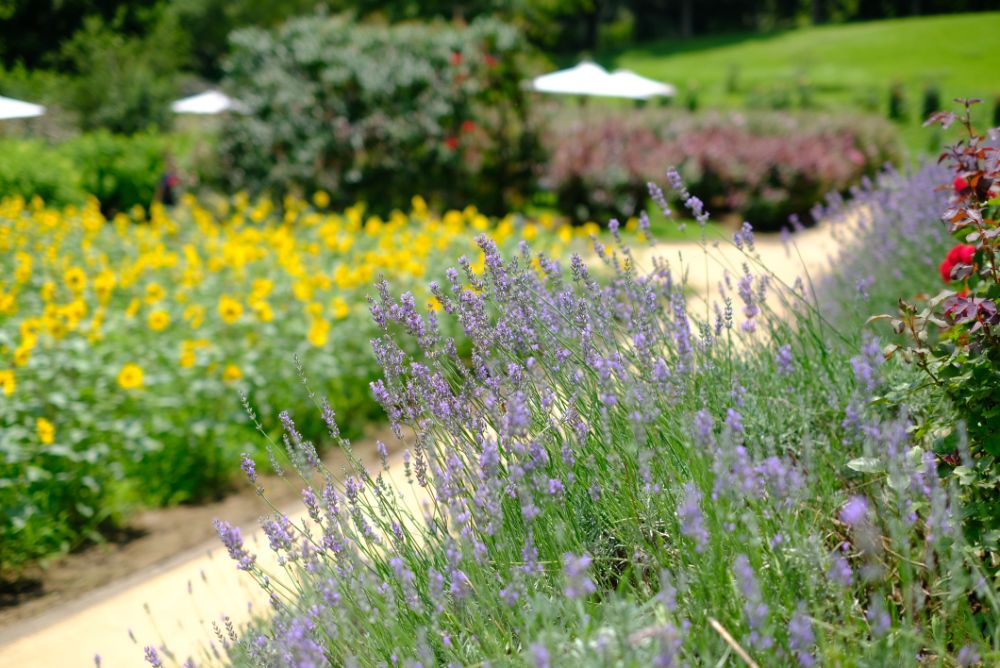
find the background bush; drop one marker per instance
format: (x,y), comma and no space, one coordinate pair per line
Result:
(763,166)
(120,171)
(377,113)
(33,168)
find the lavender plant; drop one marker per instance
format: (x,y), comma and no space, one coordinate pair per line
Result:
(610,477)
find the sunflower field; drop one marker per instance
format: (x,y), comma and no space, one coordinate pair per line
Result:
(127,343)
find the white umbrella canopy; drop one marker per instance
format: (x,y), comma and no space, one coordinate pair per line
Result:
(626,83)
(209,102)
(592,79)
(11,108)
(583,79)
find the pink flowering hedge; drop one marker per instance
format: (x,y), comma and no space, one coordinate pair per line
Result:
(762,166)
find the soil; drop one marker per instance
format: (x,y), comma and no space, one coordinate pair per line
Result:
(153,537)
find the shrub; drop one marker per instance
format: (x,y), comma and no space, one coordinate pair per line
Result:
(762,166)
(616,479)
(120,171)
(32,168)
(931,100)
(954,335)
(123,83)
(897,102)
(372,113)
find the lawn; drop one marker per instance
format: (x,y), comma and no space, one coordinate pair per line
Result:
(843,66)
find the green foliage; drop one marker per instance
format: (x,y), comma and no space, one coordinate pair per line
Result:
(121,172)
(123,83)
(897,102)
(376,113)
(32,168)
(954,337)
(208,24)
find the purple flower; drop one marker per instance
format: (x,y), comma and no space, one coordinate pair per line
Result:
(801,638)
(540,656)
(967,656)
(668,653)
(744,236)
(785,360)
(734,421)
(152,657)
(576,571)
(878,619)
(233,541)
(744,287)
(854,511)
(840,571)
(755,609)
(249,468)
(656,194)
(691,517)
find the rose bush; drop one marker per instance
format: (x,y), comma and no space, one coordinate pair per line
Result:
(954,337)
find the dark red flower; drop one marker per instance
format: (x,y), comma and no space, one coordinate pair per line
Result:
(945,269)
(451,142)
(959,184)
(468,126)
(960,254)
(456,58)
(491,60)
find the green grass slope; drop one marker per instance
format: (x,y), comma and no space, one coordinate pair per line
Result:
(841,66)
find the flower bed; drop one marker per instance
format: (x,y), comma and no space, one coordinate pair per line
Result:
(762,166)
(125,344)
(619,479)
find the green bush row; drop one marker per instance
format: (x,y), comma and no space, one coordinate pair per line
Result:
(120,171)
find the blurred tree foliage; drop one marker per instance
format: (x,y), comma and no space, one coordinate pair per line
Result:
(34,32)
(123,82)
(116,63)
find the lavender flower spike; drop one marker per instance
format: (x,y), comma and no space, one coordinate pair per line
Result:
(576,571)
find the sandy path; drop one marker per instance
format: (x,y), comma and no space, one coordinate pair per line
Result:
(176,602)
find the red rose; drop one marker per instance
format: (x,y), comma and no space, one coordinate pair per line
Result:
(451,142)
(959,184)
(468,126)
(960,254)
(456,58)
(491,61)
(945,269)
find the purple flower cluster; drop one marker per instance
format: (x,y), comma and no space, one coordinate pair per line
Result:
(576,571)
(755,610)
(573,431)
